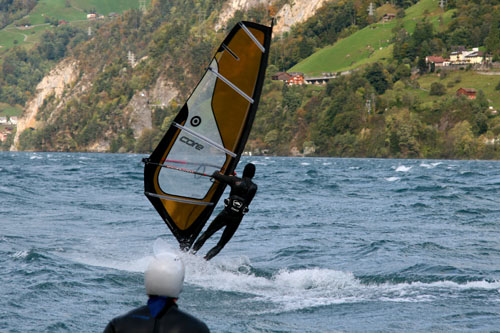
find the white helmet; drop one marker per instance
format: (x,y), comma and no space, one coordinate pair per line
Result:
(165,276)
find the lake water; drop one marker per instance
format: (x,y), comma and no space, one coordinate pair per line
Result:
(329,245)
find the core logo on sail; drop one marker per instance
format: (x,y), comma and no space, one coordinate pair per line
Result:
(191,142)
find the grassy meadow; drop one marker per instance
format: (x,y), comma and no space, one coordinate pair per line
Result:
(452,81)
(372,43)
(72,11)
(9,110)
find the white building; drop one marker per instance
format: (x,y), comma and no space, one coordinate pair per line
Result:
(465,57)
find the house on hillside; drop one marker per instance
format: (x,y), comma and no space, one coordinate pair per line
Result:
(470,93)
(281,76)
(461,56)
(13,120)
(297,79)
(91,16)
(3,120)
(388,17)
(437,61)
(289,78)
(478,57)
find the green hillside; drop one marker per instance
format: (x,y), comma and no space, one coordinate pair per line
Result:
(8,110)
(71,11)
(370,44)
(460,79)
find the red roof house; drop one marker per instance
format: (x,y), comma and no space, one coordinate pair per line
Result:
(470,93)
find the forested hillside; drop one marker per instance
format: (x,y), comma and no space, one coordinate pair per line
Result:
(397,106)
(393,105)
(11,10)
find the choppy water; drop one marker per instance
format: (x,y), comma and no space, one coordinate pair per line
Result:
(330,245)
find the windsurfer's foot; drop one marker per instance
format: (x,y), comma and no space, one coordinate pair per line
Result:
(213,252)
(196,247)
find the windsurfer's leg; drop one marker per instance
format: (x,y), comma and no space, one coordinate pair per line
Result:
(212,228)
(228,233)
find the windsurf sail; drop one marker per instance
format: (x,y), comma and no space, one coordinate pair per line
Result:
(208,134)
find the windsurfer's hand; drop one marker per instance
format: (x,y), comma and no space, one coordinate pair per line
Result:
(215,173)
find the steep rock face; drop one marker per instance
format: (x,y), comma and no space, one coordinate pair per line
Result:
(231,6)
(299,12)
(288,15)
(139,110)
(63,75)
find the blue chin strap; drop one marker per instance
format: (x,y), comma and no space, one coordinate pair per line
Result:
(156,304)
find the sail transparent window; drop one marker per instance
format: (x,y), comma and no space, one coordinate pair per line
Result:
(197,148)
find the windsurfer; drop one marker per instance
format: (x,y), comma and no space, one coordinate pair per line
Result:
(163,280)
(242,192)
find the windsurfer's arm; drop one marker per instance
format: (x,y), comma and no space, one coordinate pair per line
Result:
(223,178)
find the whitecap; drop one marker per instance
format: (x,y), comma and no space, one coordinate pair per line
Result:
(403,168)
(392,179)
(431,165)
(21,254)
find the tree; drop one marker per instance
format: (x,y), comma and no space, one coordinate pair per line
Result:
(464,144)
(402,132)
(437,89)
(492,42)
(292,98)
(377,77)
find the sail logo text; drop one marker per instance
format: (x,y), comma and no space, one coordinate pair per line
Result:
(191,143)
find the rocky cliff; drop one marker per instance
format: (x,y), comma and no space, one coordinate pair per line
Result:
(296,12)
(65,82)
(54,84)
(139,111)
(299,12)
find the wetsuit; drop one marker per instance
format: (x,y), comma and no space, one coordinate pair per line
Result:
(168,319)
(242,192)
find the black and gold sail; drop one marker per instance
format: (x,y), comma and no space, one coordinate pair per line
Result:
(209,133)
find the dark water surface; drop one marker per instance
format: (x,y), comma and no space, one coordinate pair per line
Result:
(330,245)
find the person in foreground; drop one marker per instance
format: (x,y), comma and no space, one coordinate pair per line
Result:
(242,192)
(163,279)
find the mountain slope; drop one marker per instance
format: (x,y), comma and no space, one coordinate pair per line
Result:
(370,44)
(380,110)
(27,30)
